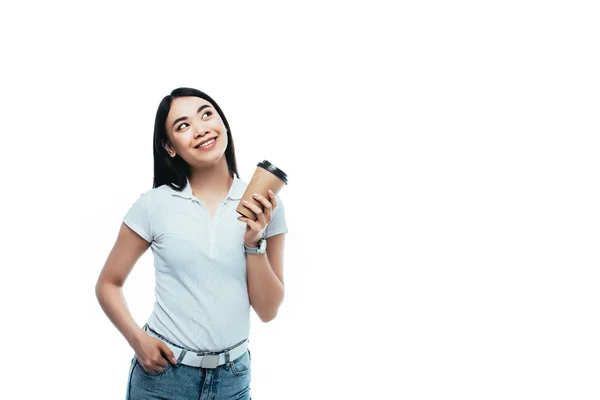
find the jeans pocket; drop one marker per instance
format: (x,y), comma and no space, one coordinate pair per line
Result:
(140,368)
(241,365)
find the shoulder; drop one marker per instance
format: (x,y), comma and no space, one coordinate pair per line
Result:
(242,183)
(156,196)
(238,189)
(156,192)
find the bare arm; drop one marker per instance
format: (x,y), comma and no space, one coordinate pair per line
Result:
(265,279)
(128,248)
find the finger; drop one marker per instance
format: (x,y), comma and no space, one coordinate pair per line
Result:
(252,224)
(256,209)
(271,211)
(159,366)
(244,219)
(259,222)
(265,202)
(261,215)
(261,219)
(155,366)
(168,353)
(273,199)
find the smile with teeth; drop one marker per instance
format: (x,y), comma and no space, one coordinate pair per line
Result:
(207,144)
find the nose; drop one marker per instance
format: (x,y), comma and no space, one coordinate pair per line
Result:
(200,131)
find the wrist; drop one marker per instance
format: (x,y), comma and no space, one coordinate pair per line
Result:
(135,338)
(256,247)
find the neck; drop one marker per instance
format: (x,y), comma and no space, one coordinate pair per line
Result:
(213,180)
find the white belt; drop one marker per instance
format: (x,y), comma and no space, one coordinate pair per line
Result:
(207,360)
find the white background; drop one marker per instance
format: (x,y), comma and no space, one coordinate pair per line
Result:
(442,206)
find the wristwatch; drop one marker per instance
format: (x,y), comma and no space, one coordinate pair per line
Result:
(262,247)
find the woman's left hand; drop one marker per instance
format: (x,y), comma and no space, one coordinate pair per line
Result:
(255,229)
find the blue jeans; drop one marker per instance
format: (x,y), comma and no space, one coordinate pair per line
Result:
(182,382)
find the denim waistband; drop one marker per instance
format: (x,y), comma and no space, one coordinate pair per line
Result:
(147,328)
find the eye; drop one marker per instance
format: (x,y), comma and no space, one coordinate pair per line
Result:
(208,112)
(179,127)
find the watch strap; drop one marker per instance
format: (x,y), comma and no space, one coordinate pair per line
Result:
(254,250)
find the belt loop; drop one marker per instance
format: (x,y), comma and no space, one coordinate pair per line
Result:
(183,351)
(227,358)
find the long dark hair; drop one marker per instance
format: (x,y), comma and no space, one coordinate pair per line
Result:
(174,171)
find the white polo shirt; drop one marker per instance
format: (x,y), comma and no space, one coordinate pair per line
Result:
(201,288)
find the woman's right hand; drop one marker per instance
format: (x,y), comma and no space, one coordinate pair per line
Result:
(153,354)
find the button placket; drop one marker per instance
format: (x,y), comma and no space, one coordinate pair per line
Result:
(212,247)
(203,209)
(213,228)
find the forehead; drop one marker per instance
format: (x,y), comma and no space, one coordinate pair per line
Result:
(185,107)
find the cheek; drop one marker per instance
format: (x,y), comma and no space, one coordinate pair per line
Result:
(180,138)
(223,140)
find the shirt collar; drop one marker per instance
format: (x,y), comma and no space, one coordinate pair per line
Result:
(235,192)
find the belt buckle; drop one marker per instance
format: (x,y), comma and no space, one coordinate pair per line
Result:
(210,361)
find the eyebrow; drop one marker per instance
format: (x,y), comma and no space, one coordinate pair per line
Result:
(202,107)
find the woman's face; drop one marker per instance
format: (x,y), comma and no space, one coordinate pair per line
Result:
(192,121)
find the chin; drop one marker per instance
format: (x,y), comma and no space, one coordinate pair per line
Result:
(213,158)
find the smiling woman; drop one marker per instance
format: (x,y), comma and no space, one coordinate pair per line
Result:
(206,283)
(189,123)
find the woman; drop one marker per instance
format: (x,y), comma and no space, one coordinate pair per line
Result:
(195,343)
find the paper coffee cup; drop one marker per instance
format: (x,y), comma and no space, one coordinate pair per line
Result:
(266,176)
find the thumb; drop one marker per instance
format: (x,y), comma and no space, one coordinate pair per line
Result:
(168,353)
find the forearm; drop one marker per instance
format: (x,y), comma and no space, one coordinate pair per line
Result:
(264,288)
(112,301)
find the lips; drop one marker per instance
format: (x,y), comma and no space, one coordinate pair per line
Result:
(205,141)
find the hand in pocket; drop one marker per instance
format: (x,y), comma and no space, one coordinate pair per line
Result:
(153,354)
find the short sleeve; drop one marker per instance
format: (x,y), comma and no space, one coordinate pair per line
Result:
(278,224)
(138,218)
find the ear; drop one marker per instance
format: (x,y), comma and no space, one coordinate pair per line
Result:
(170,150)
